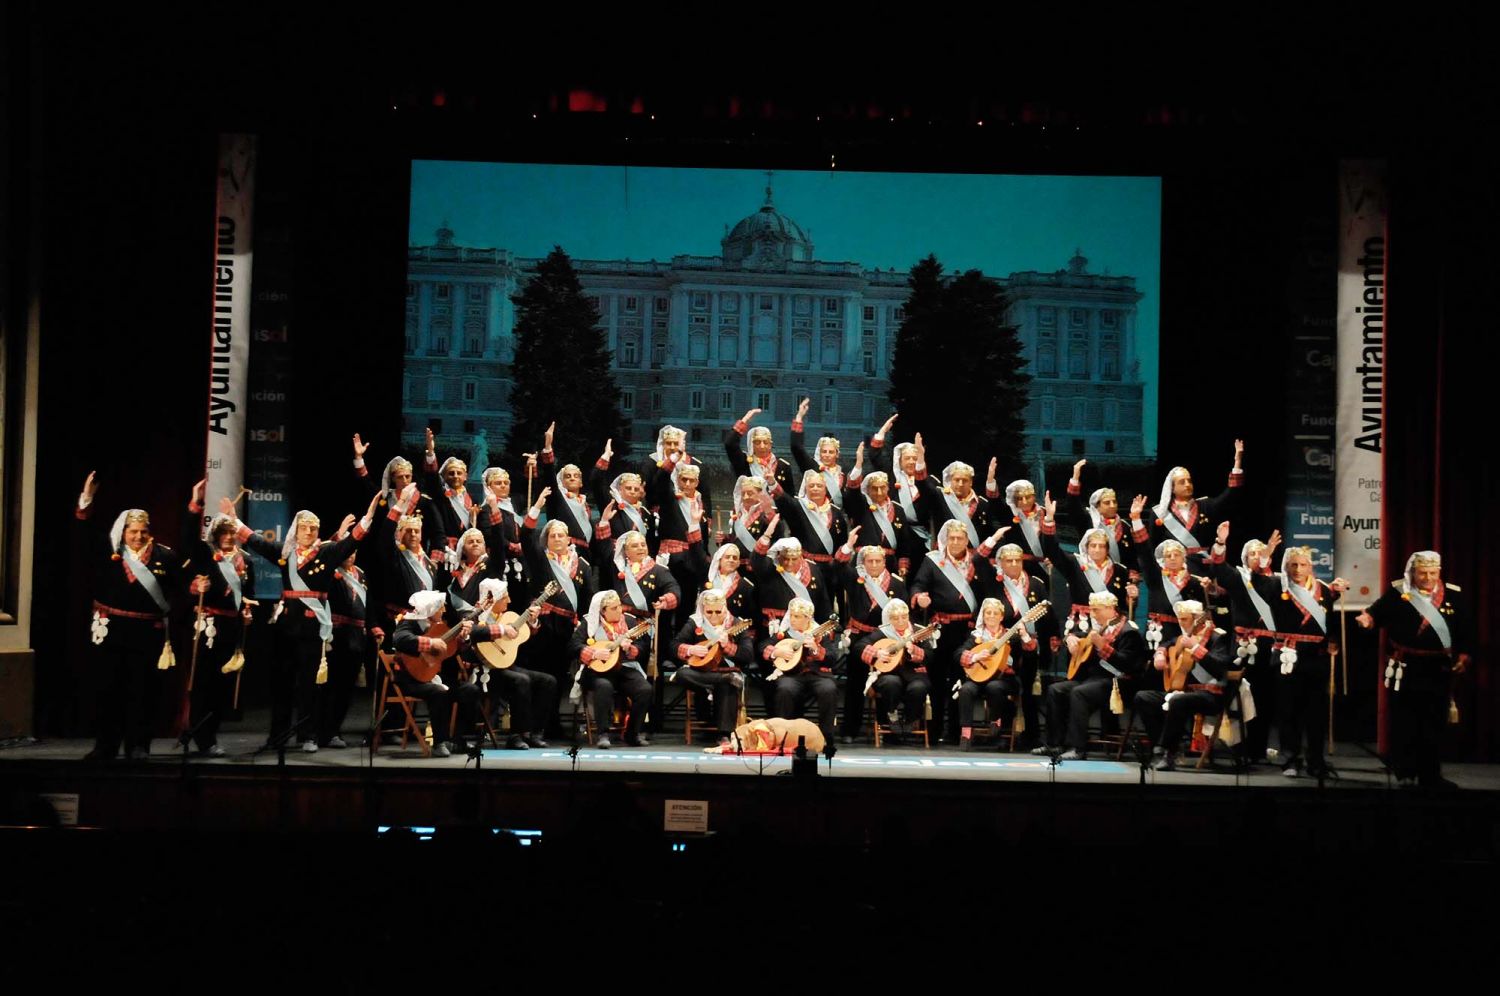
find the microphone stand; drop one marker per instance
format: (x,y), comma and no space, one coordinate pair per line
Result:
(186,738)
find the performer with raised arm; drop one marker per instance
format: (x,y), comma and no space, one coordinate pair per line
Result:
(501,526)
(1003,689)
(906,467)
(224,576)
(135,579)
(1100,511)
(1253,590)
(682,518)
(1430,627)
(827,462)
(671,453)
(1027,519)
(815,521)
(868,587)
(644,586)
(444,688)
(624,506)
(794,636)
(1304,652)
(555,558)
(603,634)
(786,574)
(566,501)
(726,577)
(956,499)
(1022,587)
(949,584)
(1088,571)
(448,485)
(351,651)
(304,621)
(1188,520)
(530,693)
(758,461)
(1195,666)
(397,496)
(881,520)
(712,659)
(1116,650)
(909,683)
(754,523)
(1168,581)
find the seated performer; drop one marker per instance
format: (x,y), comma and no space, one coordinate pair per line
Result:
(225,577)
(752,454)
(1164,572)
(603,633)
(1304,653)
(827,462)
(811,677)
(135,579)
(1001,691)
(1252,589)
(1204,656)
(725,577)
(1117,650)
(530,693)
(1188,520)
(1430,628)
(908,684)
(868,586)
(444,688)
(724,679)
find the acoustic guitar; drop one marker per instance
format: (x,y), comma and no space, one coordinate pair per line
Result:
(501,653)
(997,652)
(794,646)
(426,665)
(896,649)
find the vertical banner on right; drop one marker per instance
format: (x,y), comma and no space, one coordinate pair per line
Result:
(1360,368)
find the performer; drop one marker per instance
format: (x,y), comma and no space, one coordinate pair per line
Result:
(671,453)
(814,519)
(135,579)
(624,509)
(566,502)
(602,630)
(1430,628)
(812,678)
(454,505)
(1164,572)
(909,683)
(682,529)
(881,520)
(1102,511)
(827,463)
(556,559)
(1022,588)
(1027,518)
(226,576)
(644,586)
(949,584)
(350,654)
(726,577)
(1166,714)
(758,461)
(754,523)
(445,688)
(1253,590)
(396,497)
(501,526)
(906,466)
(1305,654)
(725,679)
(956,499)
(788,576)
(1188,520)
(304,621)
(868,587)
(530,693)
(1003,690)
(1119,651)
(1088,571)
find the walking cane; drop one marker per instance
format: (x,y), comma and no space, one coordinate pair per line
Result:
(530,475)
(185,713)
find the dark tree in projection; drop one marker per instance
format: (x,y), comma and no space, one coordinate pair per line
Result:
(958,376)
(561,368)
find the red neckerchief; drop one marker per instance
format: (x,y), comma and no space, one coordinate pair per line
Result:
(239,560)
(972,505)
(640,568)
(1181,585)
(1437,602)
(1108,570)
(612,630)
(312,551)
(1192,513)
(468,572)
(450,493)
(1024,581)
(826,509)
(734,581)
(1115,526)
(571,563)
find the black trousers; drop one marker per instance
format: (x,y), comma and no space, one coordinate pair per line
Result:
(1263,676)
(942,672)
(907,686)
(126,687)
(856,673)
(1069,706)
(547,652)
(440,702)
(213,690)
(334,697)
(625,681)
(791,693)
(1166,727)
(532,696)
(1302,706)
(725,686)
(294,674)
(997,692)
(1419,721)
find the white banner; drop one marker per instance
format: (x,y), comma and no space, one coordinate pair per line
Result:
(230,332)
(1360,424)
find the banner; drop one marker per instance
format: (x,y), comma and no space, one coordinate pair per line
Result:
(230,333)
(1360,369)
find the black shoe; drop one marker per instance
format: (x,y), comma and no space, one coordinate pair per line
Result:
(516,742)
(100,755)
(535,740)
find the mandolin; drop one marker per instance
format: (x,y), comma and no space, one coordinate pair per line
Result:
(896,649)
(996,661)
(715,648)
(609,663)
(794,646)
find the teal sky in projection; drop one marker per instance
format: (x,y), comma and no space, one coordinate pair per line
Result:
(998,224)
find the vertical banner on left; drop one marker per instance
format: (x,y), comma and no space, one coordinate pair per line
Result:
(230,349)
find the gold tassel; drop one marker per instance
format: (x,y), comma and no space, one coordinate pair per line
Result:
(1452,710)
(1018,725)
(322,678)
(234,663)
(1116,703)
(167,658)
(927,709)
(359,677)
(427,734)
(1036,683)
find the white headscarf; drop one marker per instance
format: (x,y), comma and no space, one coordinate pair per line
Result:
(484,478)
(596,611)
(786,543)
(658,454)
(890,607)
(957,466)
(448,463)
(619,558)
(1014,488)
(1165,504)
(784,623)
(713,565)
(493,588)
(117,531)
(290,542)
(1094,499)
(1411,564)
(1245,551)
(1083,543)
(426,604)
(715,633)
(980,632)
(1161,552)
(385,476)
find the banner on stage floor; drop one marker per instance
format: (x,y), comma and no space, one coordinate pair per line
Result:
(230,328)
(1360,426)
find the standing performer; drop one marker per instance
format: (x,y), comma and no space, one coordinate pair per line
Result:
(1118,652)
(671,453)
(624,509)
(602,632)
(1088,571)
(1430,628)
(827,463)
(566,502)
(956,499)
(555,559)
(909,684)
(1003,690)
(789,576)
(1166,713)
(349,656)
(226,577)
(304,622)
(949,584)
(1026,516)
(501,526)
(812,677)
(135,579)
(1304,653)
(682,530)
(906,466)
(530,693)
(868,587)
(1022,589)
(725,577)
(1253,590)
(819,526)
(1165,574)
(445,688)
(644,586)
(454,505)
(754,523)
(1188,520)
(881,520)
(397,497)
(1102,511)
(725,679)
(759,461)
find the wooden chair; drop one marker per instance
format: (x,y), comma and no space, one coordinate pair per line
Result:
(391,694)
(883,731)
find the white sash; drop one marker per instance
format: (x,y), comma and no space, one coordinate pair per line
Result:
(1114,546)
(318,606)
(1116,672)
(1168,516)
(887,528)
(710,631)
(423,574)
(1033,537)
(148,581)
(957,580)
(831,480)
(1262,609)
(1428,611)
(565,581)
(795,583)
(580,517)
(718,582)
(742,533)
(633,589)
(960,511)
(688,507)
(635,517)
(815,519)
(460,504)
(357,594)
(1017,596)
(232,578)
(1173,593)
(1092,574)
(904,494)
(1310,604)
(878,595)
